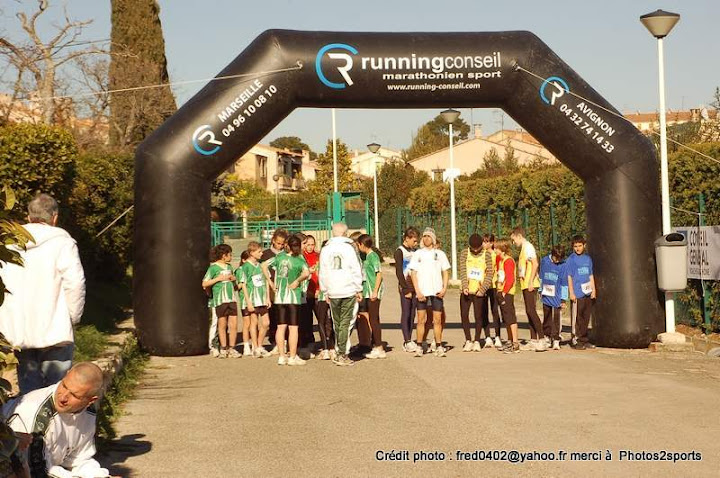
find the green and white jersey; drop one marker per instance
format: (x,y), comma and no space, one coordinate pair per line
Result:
(240,276)
(223,292)
(287,269)
(255,283)
(371,266)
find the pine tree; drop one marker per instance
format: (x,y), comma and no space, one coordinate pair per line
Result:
(138,59)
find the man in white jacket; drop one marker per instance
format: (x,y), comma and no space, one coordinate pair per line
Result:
(59,423)
(341,281)
(45,297)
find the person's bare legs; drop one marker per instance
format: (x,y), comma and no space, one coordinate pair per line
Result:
(421,332)
(232,331)
(438,326)
(263,327)
(293,340)
(222,332)
(247,320)
(280,338)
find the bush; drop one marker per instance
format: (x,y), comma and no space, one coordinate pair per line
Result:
(37,158)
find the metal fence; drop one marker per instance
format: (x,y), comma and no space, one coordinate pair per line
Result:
(556,223)
(262,231)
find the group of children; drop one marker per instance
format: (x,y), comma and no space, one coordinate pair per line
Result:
(276,292)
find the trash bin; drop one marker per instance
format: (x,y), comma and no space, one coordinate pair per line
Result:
(671,259)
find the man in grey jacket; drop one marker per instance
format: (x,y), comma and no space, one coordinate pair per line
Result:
(45,298)
(341,281)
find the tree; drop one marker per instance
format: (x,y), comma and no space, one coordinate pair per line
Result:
(138,59)
(40,60)
(323,183)
(510,161)
(293,143)
(433,136)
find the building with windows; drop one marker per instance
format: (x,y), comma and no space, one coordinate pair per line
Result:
(362,163)
(262,164)
(468,155)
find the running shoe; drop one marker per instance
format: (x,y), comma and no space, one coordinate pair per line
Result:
(282,360)
(548,342)
(440,351)
(420,350)
(507,348)
(274,351)
(516,347)
(223,354)
(373,354)
(468,347)
(488,342)
(433,346)
(529,346)
(476,346)
(556,345)
(215,352)
(540,345)
(232,353)
(333,354)
(410,347)
(247,349)
(498,343)
(573,341)
(343,361)
(381,353)
(296,360)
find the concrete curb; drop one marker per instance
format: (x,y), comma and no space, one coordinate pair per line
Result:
(111,361)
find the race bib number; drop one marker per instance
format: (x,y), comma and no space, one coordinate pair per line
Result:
(586,288)
(476,274)
(501,277)
(257,280)
(548,290)
(225,274)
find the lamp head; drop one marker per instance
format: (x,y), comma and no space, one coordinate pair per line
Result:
(659,23)
(373,147)
(450,115)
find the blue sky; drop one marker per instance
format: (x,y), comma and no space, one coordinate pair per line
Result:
(603,41)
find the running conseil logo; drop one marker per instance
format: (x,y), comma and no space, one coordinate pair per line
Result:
(556,86)
(342,62)
(202,138)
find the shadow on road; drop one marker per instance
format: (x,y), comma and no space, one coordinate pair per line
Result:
(117,452)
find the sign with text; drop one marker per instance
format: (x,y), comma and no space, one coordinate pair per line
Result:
(703,251)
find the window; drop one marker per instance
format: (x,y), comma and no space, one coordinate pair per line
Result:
(261,162)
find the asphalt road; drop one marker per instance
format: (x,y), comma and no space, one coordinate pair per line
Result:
(529,412)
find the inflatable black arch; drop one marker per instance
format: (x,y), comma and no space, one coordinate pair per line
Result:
(283,70)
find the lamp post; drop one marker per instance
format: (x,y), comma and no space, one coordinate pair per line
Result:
(659,23)
(450,116)
(276,178)
(374,148)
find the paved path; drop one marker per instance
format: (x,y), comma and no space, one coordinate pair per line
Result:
(198,416)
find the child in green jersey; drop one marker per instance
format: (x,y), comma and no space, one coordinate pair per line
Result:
(257,298)
(242,304)
(290,271)
(372,294)
(220,277)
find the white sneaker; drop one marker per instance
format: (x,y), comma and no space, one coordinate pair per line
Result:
(325,355)
(373,354)
(498,343)
(282,360)
(333,354)
(296,360)
(410,347)
(275,351)
(419,350)
(556,345)
(433,346)
(488,342)
(540,346)
(468,347)
(528,347)
(476,346)
(440,351)
(548,341)
(247,349)
(215,352)
(232,353)
(381,353)
(573,341)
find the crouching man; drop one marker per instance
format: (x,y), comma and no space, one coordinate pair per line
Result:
(61,423)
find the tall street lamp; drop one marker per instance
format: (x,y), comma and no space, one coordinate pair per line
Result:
(450,116)
(374,148)
(276,178)
(659,24)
